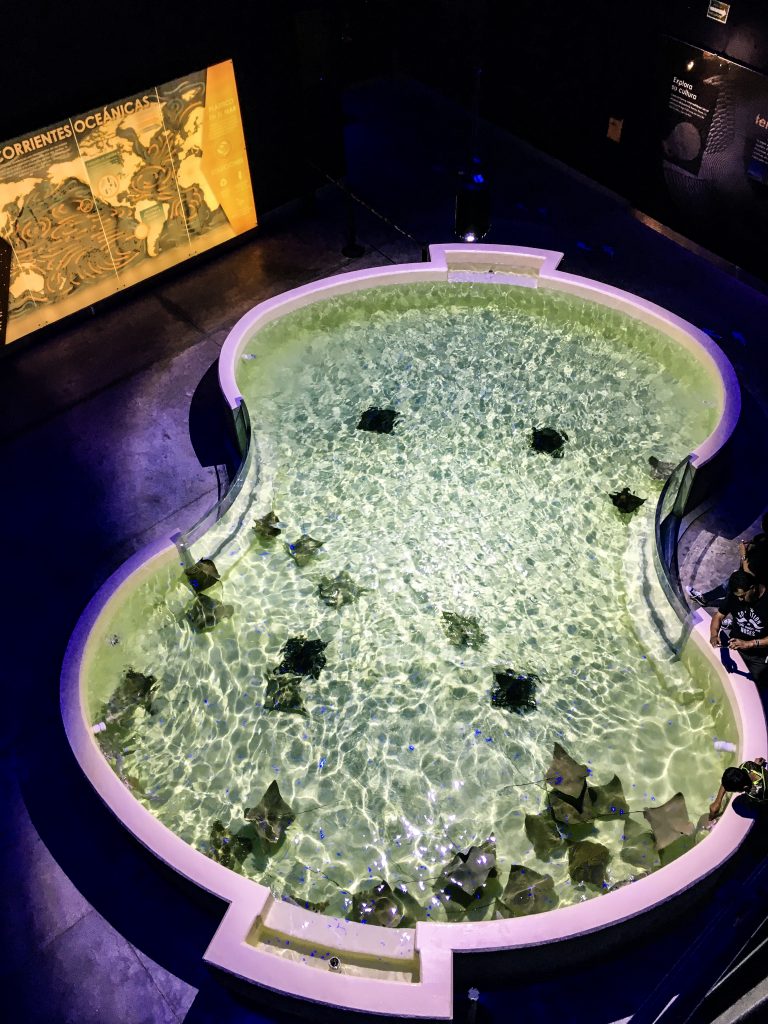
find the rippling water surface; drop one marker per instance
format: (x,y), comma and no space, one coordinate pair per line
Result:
(401,758)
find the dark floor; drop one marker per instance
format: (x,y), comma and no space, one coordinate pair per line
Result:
(100,457)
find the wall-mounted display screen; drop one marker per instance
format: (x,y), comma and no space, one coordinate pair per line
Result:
(105,199)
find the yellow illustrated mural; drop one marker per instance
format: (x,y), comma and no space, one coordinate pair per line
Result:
(108,198)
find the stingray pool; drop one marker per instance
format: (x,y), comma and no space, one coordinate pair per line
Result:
(425,670)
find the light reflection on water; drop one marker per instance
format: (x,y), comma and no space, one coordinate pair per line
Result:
(401,758)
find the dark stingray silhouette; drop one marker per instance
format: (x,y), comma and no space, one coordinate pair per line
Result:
(565,800)
(205,613)
(302,657)
(463,630)
(226,847)
(202,575)
(639,848)
(380,905)
(283,693)
(135,690)
(587,862)
(566,775)
(467,873)
(271,815)
(304,549)
(543,834)
(339,590)
(527,892)
(378,421)
(625,501)
(607,801)
(659,469)
(514,691)
(549,441)
(268,527)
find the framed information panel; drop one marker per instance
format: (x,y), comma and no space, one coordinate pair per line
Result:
(105,199)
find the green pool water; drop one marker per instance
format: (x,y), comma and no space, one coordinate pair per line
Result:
(401,759)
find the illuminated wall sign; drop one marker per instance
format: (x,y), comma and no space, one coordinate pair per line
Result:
(96,203)
(717,11)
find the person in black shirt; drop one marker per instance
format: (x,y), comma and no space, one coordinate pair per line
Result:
(753,558)
(748,778)
(747,603)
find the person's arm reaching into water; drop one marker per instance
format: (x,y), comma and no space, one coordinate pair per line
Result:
(714,628)
(714,807)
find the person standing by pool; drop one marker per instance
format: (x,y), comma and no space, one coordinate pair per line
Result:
(753,558)
(747,603)
(749,778)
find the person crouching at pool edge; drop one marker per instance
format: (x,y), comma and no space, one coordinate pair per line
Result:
(747,603)
(749,778)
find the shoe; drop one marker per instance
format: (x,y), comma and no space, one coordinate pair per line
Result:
(697,596)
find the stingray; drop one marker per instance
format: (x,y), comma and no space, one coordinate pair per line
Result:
(566,776)
(660,470)
(271,815)
(339,590)
(135,690)
(587,862)
(378,421)
(304,549)
(379,905)
(204,613)
(638,847)
(607,801)
(543,834)
(283,693)
(626,502)
(549,441)
(226,847)
(302,657)
(268,527)
(468,872)
(669,821)
(572,813)
(627,881)
(514,691)
(528,892)
(118,738)
(463,630)
(202,575)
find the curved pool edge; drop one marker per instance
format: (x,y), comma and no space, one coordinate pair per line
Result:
(405,972)
(421,959)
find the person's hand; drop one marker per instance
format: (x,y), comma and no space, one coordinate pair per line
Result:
(714,810)
(715,641)
(739,645)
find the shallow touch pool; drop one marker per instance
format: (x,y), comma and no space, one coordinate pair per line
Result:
(401,759)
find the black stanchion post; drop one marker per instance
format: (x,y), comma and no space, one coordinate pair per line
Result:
(473,996)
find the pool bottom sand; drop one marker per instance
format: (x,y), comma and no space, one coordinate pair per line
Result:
(401,759)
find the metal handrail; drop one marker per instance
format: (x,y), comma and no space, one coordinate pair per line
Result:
(670,512)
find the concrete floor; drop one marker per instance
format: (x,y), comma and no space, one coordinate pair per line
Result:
(99,458)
